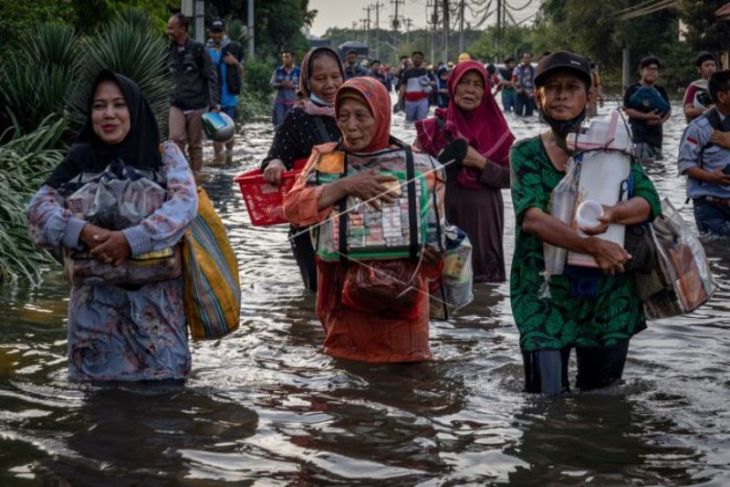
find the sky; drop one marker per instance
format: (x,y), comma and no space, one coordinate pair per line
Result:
(342,13)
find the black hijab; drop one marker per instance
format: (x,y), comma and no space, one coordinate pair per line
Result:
(139,149)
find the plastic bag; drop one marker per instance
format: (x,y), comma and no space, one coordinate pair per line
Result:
(680,280)
(391,288)
(455,287)
(122,197)
(562,207)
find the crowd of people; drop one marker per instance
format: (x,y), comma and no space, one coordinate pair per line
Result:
(333,122)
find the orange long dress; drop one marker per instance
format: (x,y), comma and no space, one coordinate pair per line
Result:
(352,334)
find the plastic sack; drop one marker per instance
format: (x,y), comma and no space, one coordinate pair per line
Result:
(455,287)
(680,280)
(390,288)
(562,206)
(119,198)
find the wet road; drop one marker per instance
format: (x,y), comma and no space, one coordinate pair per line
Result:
(266,407)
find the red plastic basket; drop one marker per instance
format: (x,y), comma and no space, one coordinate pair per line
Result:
(265,201)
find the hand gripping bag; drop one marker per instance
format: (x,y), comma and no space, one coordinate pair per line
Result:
(212,287)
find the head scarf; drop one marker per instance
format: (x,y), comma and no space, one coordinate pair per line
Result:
(374,95)
(312,104)
(139,149)
(484,128)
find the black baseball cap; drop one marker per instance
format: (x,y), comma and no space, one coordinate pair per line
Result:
(217,26)
(562,61)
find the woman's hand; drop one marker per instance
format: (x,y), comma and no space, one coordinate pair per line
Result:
(274,169)
(474,159)
(369,185)
(610,256)
(112,248)
(720,138)
(92,235)
(609,216)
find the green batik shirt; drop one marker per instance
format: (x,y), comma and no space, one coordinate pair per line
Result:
(563,320)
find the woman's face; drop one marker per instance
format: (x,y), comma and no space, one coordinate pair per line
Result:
(325,78)
(563,97)
(109,113)
(356,123)
(469,91)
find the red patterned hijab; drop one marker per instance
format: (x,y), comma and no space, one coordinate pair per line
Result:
(373,94)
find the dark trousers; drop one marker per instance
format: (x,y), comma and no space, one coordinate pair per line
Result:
(301,246)
(546,371)
(712,218)
(524,105)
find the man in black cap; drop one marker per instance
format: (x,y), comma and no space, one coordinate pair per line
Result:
(697,97)
(647,106)
(227,55)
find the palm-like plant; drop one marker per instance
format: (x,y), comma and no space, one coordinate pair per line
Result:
(37,82)
(131,46)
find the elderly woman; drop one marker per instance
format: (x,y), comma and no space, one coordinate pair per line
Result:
(474,188)
(118,331)
(309,123)
(392,326)
(597,324)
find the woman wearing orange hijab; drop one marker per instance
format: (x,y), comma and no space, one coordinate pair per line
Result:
(392,327)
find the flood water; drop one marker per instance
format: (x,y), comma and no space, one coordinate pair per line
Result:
(265,406)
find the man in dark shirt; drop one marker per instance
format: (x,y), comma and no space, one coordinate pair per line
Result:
(415,87)
(647,106)
(377,72)
(195,89)
(353,68)
(509,94)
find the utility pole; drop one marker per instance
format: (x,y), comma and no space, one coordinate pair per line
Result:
(461,25)
(377,6)
(367,24)
(396,21)
(432,20)
(250,31)
(445,47)
(408,23)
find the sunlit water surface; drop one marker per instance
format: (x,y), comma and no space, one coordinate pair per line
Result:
(265,406)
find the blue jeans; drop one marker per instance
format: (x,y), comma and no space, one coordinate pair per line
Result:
(280,111)
(524,105)
(509,100)
(712,218)
(416,110)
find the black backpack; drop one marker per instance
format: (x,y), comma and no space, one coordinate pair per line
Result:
(233,77)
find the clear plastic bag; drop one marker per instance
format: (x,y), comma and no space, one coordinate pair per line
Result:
(562,207)
(455,287)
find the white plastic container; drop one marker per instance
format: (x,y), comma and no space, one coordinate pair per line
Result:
(588,213)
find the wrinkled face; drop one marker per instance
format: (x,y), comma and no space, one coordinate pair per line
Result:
(325,78)
(109,113)
(650,73)
(217,37)
(287,58)
(469,91)
(175,29)
(526,58)
(351,58)
(707,69)
(563,96)
(356,123)
(417,60)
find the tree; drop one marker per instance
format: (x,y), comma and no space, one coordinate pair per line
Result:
(704,31)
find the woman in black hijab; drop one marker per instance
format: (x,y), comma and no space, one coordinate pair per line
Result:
(127,333)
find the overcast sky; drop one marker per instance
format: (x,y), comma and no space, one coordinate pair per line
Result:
(342,13)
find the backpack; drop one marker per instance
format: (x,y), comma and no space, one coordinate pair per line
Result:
(233,77)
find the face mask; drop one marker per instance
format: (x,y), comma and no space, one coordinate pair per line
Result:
(318,100)
(562,128)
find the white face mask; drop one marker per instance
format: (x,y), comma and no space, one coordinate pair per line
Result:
(318,100)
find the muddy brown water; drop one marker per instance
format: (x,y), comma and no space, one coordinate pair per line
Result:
(266,407)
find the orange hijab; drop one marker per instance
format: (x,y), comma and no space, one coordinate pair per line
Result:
(373,94)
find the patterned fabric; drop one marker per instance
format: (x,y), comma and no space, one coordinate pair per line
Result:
(118,333)
(563,320)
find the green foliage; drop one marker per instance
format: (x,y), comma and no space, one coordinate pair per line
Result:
(131,47)
(704,31)
(37,81)
(257,76)
(25,162)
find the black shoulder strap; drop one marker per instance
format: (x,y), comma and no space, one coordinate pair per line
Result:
(412,209)
(342,206)
(322,130)
(714,119)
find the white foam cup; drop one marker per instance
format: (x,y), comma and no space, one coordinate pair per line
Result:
(588,213)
